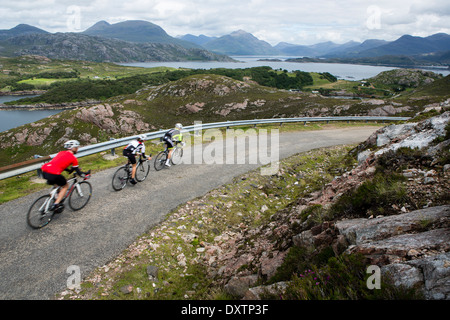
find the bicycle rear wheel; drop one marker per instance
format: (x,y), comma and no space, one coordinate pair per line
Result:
(142,170)
(39,214)
(160,160)
(120,178)
(177,154)
(80,195)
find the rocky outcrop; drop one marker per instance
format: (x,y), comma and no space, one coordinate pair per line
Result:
(110,118)
(412,248)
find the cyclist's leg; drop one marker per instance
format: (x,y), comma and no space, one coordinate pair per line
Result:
(132,160)
(61,193)
(60,181)
(169,147)
(133,170)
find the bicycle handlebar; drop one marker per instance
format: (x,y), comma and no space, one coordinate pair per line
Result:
(84,175)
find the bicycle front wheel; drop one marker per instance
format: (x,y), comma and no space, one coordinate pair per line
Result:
(160,160)
(80,195)
(120,179)
(142,170)
(39,214)
(177,154)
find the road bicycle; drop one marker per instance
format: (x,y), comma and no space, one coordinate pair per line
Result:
(123,174)
(177,154)
(78,195)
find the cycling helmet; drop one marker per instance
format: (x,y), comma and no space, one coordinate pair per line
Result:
(71,144)
(141,137)
(179,126)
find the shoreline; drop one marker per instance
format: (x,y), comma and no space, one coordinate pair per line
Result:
(49,106)
(23,93)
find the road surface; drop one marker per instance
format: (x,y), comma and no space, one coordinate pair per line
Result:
(34,263)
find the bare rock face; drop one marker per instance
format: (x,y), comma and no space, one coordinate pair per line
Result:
(112,118)
(431,275)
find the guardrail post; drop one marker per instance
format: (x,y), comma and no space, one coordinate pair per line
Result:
(38,171)
(113,150)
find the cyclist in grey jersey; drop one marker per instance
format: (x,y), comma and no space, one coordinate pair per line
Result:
(170,138)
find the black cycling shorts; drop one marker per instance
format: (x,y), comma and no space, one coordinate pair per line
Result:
(130,156)
(53,179)
(169,144)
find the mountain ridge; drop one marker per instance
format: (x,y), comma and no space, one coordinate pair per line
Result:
(241,42)
(76,46)
(138,31)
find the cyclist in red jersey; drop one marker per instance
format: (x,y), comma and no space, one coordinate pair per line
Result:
(52,170)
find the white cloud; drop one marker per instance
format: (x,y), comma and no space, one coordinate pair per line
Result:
(294,21)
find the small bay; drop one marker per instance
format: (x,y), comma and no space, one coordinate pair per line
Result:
(10,119)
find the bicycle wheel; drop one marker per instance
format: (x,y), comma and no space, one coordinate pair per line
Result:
(80,195)
(120,178)
(177,154)
(142,170)
(39,214)
(160,160)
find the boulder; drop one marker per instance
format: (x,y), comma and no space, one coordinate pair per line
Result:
(359,231)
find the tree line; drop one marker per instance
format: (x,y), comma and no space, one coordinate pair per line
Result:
(83,89)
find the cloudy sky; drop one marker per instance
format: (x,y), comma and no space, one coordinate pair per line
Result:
(293,21)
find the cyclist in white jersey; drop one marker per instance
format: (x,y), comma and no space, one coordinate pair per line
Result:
(135,147)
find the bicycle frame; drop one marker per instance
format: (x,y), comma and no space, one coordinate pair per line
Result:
(55,191)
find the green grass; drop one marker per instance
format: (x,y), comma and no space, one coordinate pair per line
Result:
(43,82)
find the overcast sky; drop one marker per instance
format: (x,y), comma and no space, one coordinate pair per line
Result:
(292,21)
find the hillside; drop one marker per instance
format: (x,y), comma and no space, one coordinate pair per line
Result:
(207,98)
(74,46)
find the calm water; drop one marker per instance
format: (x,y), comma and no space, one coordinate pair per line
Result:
(13,118)
(341,71)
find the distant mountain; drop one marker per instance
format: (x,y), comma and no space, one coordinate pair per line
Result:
(76,46)
(315,50)
(295,50)
(19,30)
(135,31)
(200,40)
(406,46)
(240,43)
(352,51)
(409,45)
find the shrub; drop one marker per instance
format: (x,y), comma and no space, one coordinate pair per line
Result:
(377,195)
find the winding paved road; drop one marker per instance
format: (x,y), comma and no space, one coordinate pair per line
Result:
(33,263)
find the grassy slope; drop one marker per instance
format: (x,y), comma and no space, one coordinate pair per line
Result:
(32,65)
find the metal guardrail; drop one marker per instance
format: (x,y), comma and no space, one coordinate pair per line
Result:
(35,164)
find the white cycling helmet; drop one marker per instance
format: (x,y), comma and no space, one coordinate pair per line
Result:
(71,144)
(142,137)
(179,126)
